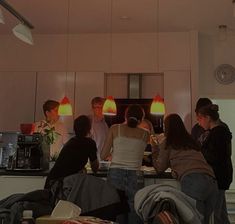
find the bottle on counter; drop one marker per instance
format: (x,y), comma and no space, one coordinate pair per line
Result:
(27,217)
(11,156)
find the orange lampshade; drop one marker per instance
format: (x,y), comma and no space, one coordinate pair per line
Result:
(65,108)
(109,107)
(157,106)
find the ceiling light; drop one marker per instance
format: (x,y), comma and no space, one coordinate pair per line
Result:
(222,32)
(1,17)
(8,7)
(22,30)
(23,33)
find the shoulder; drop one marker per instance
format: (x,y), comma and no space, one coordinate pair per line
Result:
(89,141)
(220,132)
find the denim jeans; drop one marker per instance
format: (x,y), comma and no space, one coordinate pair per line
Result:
(203,188)
(220,213)
(129,181)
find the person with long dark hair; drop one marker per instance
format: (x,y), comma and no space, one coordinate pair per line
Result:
(179,151)
(217,152)
(126,143)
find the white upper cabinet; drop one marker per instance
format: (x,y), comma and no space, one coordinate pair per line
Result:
(17,95)
(177,95)
(87,86)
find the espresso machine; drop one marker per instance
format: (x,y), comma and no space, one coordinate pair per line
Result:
(29,152)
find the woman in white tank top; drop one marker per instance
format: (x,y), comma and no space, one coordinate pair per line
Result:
(126,143)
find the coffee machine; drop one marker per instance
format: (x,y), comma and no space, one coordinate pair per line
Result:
(29,152)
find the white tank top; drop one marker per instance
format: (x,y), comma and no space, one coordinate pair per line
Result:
(128,152)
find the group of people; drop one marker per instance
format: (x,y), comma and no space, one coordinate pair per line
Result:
(201,161)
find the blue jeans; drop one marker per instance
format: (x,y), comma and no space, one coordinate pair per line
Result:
(203,188)
(221,214)
(129,181)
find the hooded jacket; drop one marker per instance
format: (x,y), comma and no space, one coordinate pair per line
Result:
(217,150)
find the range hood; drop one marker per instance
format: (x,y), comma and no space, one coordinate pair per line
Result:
(134,86)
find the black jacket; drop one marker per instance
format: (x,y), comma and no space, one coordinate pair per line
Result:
(217,152)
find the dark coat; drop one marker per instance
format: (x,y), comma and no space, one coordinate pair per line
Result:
(217,152)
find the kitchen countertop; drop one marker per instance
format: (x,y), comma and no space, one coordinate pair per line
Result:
(148,173)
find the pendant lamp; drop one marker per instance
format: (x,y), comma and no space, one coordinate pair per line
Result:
(109,107)
(65,108)
(157,106)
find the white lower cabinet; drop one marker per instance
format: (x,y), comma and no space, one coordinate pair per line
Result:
(20,184)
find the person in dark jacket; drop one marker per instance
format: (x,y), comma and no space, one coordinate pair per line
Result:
(217,151)
(199,133)
(75,153)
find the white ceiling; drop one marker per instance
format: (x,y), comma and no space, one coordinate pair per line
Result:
(94,16)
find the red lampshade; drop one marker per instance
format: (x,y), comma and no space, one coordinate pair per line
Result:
(65,108)
(157,106)
(109,107)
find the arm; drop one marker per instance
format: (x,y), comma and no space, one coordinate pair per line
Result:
(94,165)
(161,157)
(214,148)
(107,145)
(93,157)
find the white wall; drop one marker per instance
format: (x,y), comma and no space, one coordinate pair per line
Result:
(212,53)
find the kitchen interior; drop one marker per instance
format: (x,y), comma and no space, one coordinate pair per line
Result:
(87,48)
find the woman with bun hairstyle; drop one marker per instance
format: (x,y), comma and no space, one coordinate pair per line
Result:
(126,143)
(217,152)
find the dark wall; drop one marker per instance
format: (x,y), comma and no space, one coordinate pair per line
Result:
(122,104)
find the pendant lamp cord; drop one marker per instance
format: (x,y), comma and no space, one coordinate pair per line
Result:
(111,35)
(67,47)
(157,35)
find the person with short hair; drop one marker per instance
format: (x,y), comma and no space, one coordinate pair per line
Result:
(99,128)
(52,122)
(126,143)
(217,151)
(75,153)
(198,133)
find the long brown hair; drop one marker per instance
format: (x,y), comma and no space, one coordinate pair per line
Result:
(176,134)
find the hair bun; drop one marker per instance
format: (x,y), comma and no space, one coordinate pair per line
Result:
(214,107)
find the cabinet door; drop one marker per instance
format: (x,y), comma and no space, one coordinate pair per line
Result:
(18,99)
(116,85)
(54,86)
(152,85)
(177,95)
(88,85)
(20,184)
